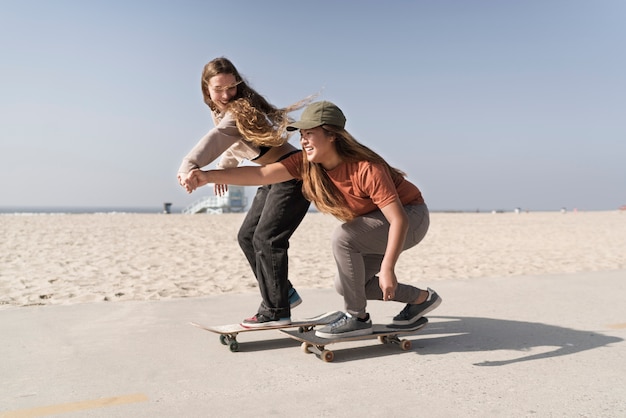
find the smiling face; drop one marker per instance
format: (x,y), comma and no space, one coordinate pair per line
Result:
(319,146)
(222,89)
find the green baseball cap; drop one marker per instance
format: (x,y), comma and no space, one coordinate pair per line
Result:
(318,114)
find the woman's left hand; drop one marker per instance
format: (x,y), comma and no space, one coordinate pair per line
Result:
(388,284)
(220,189)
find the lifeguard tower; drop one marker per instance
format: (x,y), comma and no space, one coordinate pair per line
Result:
(234,200)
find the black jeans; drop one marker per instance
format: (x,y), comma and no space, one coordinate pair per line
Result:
(274,215)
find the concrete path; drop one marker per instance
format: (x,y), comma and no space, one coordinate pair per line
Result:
(540,346)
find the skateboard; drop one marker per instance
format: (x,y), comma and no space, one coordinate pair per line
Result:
(386,334)
(228,333)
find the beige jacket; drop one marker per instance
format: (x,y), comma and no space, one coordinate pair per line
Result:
(223,139)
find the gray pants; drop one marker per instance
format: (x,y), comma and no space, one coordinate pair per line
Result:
(359,246)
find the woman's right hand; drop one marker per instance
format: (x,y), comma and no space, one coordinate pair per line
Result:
(181,179)
(196,178)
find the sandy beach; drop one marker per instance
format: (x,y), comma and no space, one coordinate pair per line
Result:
(78,258)
(532,325)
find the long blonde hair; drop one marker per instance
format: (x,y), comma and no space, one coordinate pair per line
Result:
(317,186)
(258,121)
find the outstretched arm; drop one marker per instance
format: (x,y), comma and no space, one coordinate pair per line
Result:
(242,176)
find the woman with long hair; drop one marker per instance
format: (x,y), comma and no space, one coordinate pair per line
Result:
(383,214)
(248,127)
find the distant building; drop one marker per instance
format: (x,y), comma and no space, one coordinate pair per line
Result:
(234,200)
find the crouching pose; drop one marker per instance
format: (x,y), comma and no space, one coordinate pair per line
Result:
(383,214)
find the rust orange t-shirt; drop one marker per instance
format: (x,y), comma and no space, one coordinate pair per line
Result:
(366,186)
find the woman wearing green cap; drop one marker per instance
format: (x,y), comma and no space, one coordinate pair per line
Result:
(383,214)
(247,127)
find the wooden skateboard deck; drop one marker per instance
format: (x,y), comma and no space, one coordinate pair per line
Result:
(386,334)
(228,333)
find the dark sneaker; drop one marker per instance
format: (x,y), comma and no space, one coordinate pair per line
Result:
(294,298)
(413,312)
(261,321)
(346,326)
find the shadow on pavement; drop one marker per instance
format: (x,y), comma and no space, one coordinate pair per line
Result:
(470,334)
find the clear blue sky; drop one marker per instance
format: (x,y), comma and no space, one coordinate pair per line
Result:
(485,104)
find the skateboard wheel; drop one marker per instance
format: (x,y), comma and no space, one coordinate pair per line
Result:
(234,346)
(383,339)
(223,339)
(305,348)
(301,330)
(405,345)
(328,356)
